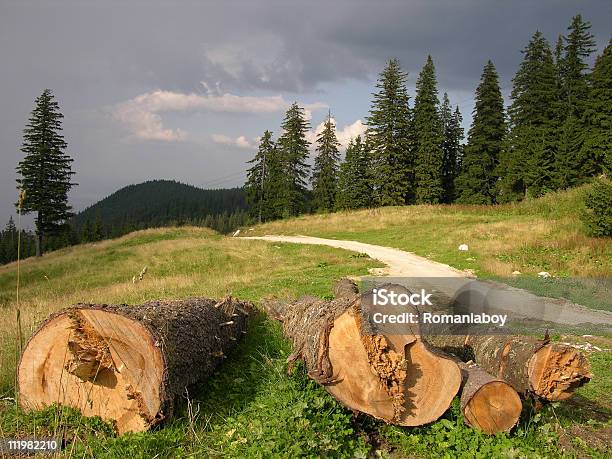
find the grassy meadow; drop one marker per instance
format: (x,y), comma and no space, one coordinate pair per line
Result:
(543,234)
(252,407)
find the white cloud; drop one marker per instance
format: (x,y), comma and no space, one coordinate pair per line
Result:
(350,131)
(344,135)
(141,115)
(240,141)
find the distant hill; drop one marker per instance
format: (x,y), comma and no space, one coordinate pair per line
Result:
(161,202)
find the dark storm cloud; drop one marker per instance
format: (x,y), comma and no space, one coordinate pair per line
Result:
(98,54)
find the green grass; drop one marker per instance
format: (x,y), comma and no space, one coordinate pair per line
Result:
(543,234)
(251,407)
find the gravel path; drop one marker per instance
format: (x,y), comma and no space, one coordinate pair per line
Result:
(448,280)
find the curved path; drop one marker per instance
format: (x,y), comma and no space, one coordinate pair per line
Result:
(446,279)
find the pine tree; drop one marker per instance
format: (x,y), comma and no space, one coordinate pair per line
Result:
(98,228)
(596,153)
(428,131)
(45,172)
(257,177)
(451,147)
(294,153)
(87,232)
(9,242)
(579,45)
(276,185)
(571,169)
(354,181)
(325,172)
(388,136)
(478,180)
(527,165)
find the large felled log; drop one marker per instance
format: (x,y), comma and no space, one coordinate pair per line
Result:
(551,371)
(398,379)
(126,363)
(487,403)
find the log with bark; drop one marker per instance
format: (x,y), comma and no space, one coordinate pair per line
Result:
(396,378)
(550,371)
(128,364)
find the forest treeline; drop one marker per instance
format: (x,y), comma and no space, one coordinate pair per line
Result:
(150,204)
(555,134)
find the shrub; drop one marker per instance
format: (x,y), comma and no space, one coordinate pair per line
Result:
(597,215)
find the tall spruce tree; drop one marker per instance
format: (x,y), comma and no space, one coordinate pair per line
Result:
(579,45)
(354,181)
(478,179)
(257,178)
(527,165)
(325,171)
(596,152)
(276,185)
(451,147)
(428,132)
(571,168)
(388,136)
(45,172)
(293,149)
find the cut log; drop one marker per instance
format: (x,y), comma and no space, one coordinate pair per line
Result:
(398,379)
(550,371)
(127,364)
(487,403)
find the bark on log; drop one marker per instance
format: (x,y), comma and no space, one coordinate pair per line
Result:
(344,288)
(128,364)
(487,403)
(398,379)
(551,371)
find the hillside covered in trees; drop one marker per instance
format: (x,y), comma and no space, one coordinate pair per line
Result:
(163,202)
(150,204)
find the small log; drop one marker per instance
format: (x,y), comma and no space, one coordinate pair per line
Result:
(550,371)
(127,364)
(398,379)
(487,403)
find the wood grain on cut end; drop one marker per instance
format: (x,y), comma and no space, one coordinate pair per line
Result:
(128,364)
(488,404)
(557,370)
(59,366)
(396,378)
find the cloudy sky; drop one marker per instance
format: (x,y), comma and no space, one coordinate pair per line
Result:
(181,90)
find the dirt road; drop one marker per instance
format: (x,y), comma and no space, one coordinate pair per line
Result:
(448,280)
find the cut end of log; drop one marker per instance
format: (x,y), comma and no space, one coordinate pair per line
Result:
(398,379)
(127,364)
(101,363)
(557,370)
(495,407)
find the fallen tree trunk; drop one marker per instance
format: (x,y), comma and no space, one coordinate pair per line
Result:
(487,403)
(551,371)
(398,379)
(126,363)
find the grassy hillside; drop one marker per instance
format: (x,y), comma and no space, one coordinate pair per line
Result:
(252,407)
